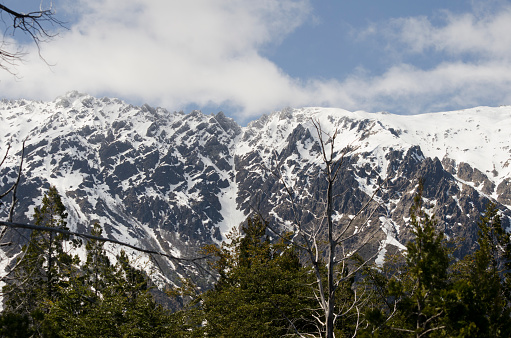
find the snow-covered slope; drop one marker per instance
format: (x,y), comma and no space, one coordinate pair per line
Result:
(478,136)
(174,182)
(463,156)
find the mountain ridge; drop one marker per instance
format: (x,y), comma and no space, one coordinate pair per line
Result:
(176,181)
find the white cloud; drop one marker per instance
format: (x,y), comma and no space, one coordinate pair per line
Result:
(169,53)
(484,35)
(448,61)
(412,90)
(174,53)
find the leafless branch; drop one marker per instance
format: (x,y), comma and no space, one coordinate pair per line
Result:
(13,188)
(5,156)
(36,24)
(321,239)
(103,239)
(15,185)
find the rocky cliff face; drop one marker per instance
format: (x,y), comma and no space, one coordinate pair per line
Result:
(174,182)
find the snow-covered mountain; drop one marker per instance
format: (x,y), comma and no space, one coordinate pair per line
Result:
(173,182)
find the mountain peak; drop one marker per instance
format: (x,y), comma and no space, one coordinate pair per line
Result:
(178,181)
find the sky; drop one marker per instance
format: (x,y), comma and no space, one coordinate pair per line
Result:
(247,58)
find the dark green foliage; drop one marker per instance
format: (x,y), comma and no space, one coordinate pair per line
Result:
(53,296)
(107,300)
(482,283)
(45,267)
(261,291)
(427,257)
(14,325)
(427,294)
(420,291)
(410,294)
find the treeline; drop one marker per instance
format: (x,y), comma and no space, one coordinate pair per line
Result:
(264,288)
(52,293)
(265,291)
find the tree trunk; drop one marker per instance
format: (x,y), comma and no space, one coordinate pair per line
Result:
(331,255)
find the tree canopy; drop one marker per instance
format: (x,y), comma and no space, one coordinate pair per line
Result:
(264,287)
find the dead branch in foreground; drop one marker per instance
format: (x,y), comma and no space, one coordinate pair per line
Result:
(103,239)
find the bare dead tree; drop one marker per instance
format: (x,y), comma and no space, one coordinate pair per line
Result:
(11,189)
(37,25)
(324,241)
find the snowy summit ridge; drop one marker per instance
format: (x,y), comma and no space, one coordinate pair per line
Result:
(175,181)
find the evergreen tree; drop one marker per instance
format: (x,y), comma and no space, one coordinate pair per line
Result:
(427,263)
(261,291)
(107,300)
(411,299)
(97,270)
(45,267)
(52,296)
(481,286)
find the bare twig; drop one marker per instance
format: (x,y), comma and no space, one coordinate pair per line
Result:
(320,240)
(15,185)
(35,24)
(103,239)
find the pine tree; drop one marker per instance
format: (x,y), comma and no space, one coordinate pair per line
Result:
(82,300)
(427,262)
(52,296)
(481,286)
(97,269)
(45,267)
(107,300)
(412,295)
(262,290)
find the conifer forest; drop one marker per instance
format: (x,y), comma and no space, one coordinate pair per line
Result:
(260,283)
